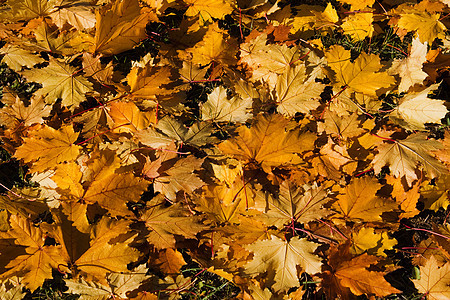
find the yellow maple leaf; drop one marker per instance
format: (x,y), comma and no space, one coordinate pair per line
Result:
(362,75)
(128,118)
(416,109)
(221,109)
(60,80)
(214,47)
(366,239)
(35,264)
(355,275)
(121,27)
(404,156)
(16,57)
(410,68)
(296,92)
(358,202)
(18,113)
(358,4)
(48,147)
(268,143)
(434,281)
(208,9)
(359,25)
(282,258)
(28,9)
(427,25)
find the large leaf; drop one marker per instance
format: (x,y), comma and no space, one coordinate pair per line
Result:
(280,259)
(268,142)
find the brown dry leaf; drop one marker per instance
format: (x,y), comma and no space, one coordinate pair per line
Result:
(407,198)
(27,9)
(268,142)
(219,108)
(16,57)
(149,82)
(180,177)
(434,280)
(78,13)
(280,259)
(359,25)
(92,66)
(128,118)
(109,189)
(341,127)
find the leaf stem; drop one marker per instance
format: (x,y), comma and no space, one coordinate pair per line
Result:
(428,231)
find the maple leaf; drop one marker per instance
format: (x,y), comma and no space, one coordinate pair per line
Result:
(221,109)
(48,147)
(170,261)
(208,9)
(416,109)
(428,25)
(36,264)
(92,66)
(434,281)
(280,259)
(17,113)
(120,27)
(179,177)
(109,189)
(404,156)
(92,253)
(77,13)
(28,9)
(358,202)
(296,92)
(148,82)
(358,26)
(214,47)
(406,197)
(410,68)
(268,142)
(16,57)
(362,75)
(168,130)
(165,223)
(295,204)
(355,275)
(357,4)
(60,81)
(267,61)
(128,118)
(374,243)
(342,128)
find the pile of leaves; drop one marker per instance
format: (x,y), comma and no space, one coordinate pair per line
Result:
(238,134)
